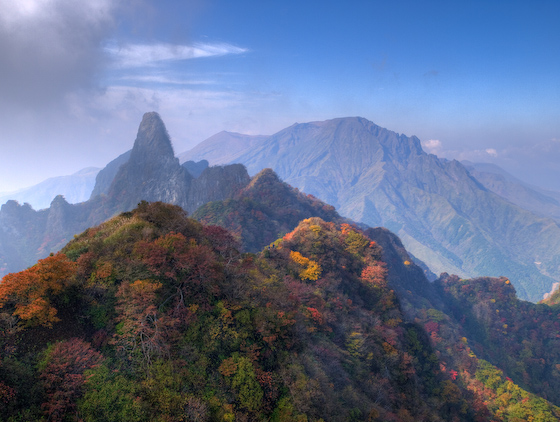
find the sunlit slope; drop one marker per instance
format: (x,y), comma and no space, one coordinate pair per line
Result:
(444,216)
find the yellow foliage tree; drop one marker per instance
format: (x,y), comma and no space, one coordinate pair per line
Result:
(311,269)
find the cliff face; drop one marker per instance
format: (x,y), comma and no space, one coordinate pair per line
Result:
(105,177)
(149,172)
(216,183)
(152,172)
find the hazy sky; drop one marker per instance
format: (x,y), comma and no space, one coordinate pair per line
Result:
(473,80)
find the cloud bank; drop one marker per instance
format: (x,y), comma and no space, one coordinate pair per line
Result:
(51,47)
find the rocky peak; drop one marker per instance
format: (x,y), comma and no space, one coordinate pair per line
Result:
(152,142)
(152,172)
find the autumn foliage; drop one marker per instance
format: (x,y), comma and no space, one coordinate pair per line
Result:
(170,321)
(30,295)
(62,373)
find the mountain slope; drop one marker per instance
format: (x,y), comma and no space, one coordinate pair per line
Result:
(538,201)
(444,216)
(107,174)
(152,316)
(264,210)
(151,172)
(212,148)
(75,188)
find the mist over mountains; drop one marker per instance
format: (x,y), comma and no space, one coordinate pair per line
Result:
(75,188)
(539,201)
(468,219)
(271,299)
(150,172)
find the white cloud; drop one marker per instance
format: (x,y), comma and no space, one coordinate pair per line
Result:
(475,155)
(160,79)
(433,146)
(143,55)
(14,13)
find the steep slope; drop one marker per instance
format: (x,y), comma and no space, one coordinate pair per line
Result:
(75,188)
(152,316)
(106,175)
(212,148)
(153,173)
(195,168)
(444,216)
(150,173)
(538,201)
(482,333)
(264,210)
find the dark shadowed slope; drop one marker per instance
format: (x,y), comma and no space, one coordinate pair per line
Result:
(264,210)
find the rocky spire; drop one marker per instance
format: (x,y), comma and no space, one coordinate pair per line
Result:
(152,143)
(152,172)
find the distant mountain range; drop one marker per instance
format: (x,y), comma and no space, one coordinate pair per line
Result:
(75,188)
(443,214)
(542,202)
(152,315)
(237,144)
(465,218)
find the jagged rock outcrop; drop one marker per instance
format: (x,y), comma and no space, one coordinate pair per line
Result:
(216,183)
(195,168)
(149,172)
(152,173)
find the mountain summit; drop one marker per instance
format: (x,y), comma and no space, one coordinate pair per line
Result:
(152,172)
(149,172)
(152,145)
(444,216)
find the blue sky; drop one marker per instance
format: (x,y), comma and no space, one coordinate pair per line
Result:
(473,80)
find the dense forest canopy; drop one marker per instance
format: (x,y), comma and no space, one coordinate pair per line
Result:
(155,316)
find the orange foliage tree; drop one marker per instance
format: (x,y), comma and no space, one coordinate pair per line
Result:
(30,293)
(375,274)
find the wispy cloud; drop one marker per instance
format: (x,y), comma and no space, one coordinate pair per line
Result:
(165,80)
(435,146)
(146,55)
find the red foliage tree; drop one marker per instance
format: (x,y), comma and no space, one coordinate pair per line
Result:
(63,375)
(375,274)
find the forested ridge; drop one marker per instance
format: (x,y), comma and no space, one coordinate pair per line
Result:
(153,316)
